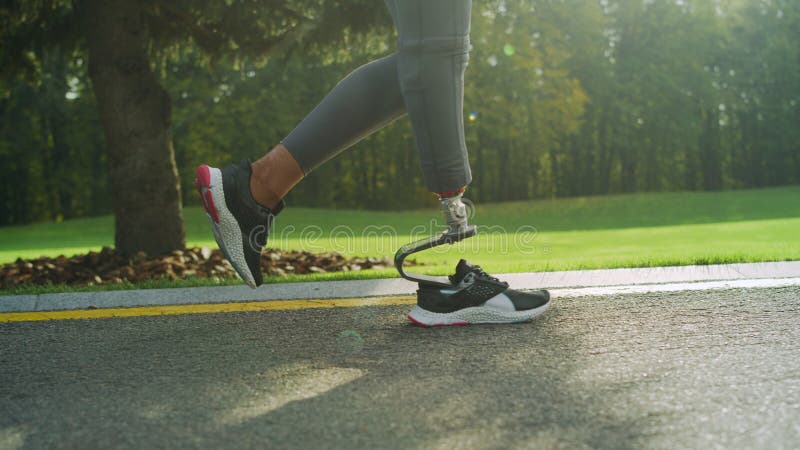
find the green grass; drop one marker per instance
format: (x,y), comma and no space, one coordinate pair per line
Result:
(575,233)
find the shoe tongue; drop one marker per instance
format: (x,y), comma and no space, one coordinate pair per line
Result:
(462,269)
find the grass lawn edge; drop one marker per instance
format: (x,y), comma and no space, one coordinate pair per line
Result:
(360,275)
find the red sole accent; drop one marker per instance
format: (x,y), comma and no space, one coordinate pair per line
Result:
(202,180)
(455,324)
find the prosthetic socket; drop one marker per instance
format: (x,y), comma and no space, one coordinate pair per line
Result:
(455,213)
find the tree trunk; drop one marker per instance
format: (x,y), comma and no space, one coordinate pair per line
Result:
(136,114)
(710,143)
(605,158)
(628,175)
(51,109)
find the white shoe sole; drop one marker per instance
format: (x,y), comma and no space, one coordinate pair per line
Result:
(224,226)
(473,315)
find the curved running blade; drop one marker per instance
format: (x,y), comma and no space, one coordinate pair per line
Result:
(448,237)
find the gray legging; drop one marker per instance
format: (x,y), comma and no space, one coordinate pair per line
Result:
(425,78)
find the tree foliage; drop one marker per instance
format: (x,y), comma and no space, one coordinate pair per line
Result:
(563,98)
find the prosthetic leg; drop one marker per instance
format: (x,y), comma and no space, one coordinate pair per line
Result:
(455,213)
(470,295)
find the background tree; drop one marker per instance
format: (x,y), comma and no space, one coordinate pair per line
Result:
(121,38)
(562,98)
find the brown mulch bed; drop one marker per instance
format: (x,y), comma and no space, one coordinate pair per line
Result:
(107,267)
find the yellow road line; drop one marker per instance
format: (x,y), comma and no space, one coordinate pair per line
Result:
(206,308)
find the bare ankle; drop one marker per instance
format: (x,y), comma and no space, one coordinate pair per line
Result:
(261,191)
(273,176)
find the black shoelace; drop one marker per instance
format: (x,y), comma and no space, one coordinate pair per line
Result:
(477,270)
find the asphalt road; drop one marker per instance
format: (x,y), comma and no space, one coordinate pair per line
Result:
(717,369)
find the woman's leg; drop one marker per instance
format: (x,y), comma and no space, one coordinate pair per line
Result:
(365,101)
(433,51)
(425,78)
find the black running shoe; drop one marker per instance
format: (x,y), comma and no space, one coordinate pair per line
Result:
(476,297)
(240,225)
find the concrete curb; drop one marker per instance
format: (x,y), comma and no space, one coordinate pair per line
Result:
(391,286)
